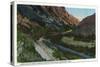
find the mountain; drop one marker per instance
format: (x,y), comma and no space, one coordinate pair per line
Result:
(52,17)
(61,14)
(86,27)
(47,33)
(36,27)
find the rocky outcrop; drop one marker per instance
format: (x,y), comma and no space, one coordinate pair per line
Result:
(61,14)
(56,18)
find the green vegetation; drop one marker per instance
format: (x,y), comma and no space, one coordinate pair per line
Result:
(27,36)
(58,54)
(25,49)
(87,48)
(64,55)
(85,39)
(27,53)
(71,41)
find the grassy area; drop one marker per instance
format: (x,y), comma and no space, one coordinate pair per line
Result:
(87,48)
(59,55)
(71,41)
(64,55)
(25,49)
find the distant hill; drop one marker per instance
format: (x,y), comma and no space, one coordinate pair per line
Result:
(86,27)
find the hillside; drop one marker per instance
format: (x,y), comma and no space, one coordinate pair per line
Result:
(47,33)
(86,27)
(54,17)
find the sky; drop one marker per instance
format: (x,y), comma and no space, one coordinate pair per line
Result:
(80,13)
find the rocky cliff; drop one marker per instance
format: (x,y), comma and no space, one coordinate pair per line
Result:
(52,17)
(61,14)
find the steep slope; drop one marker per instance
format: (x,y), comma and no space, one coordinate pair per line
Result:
(45,29)
(55,18)
(86,27)
(61,14)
